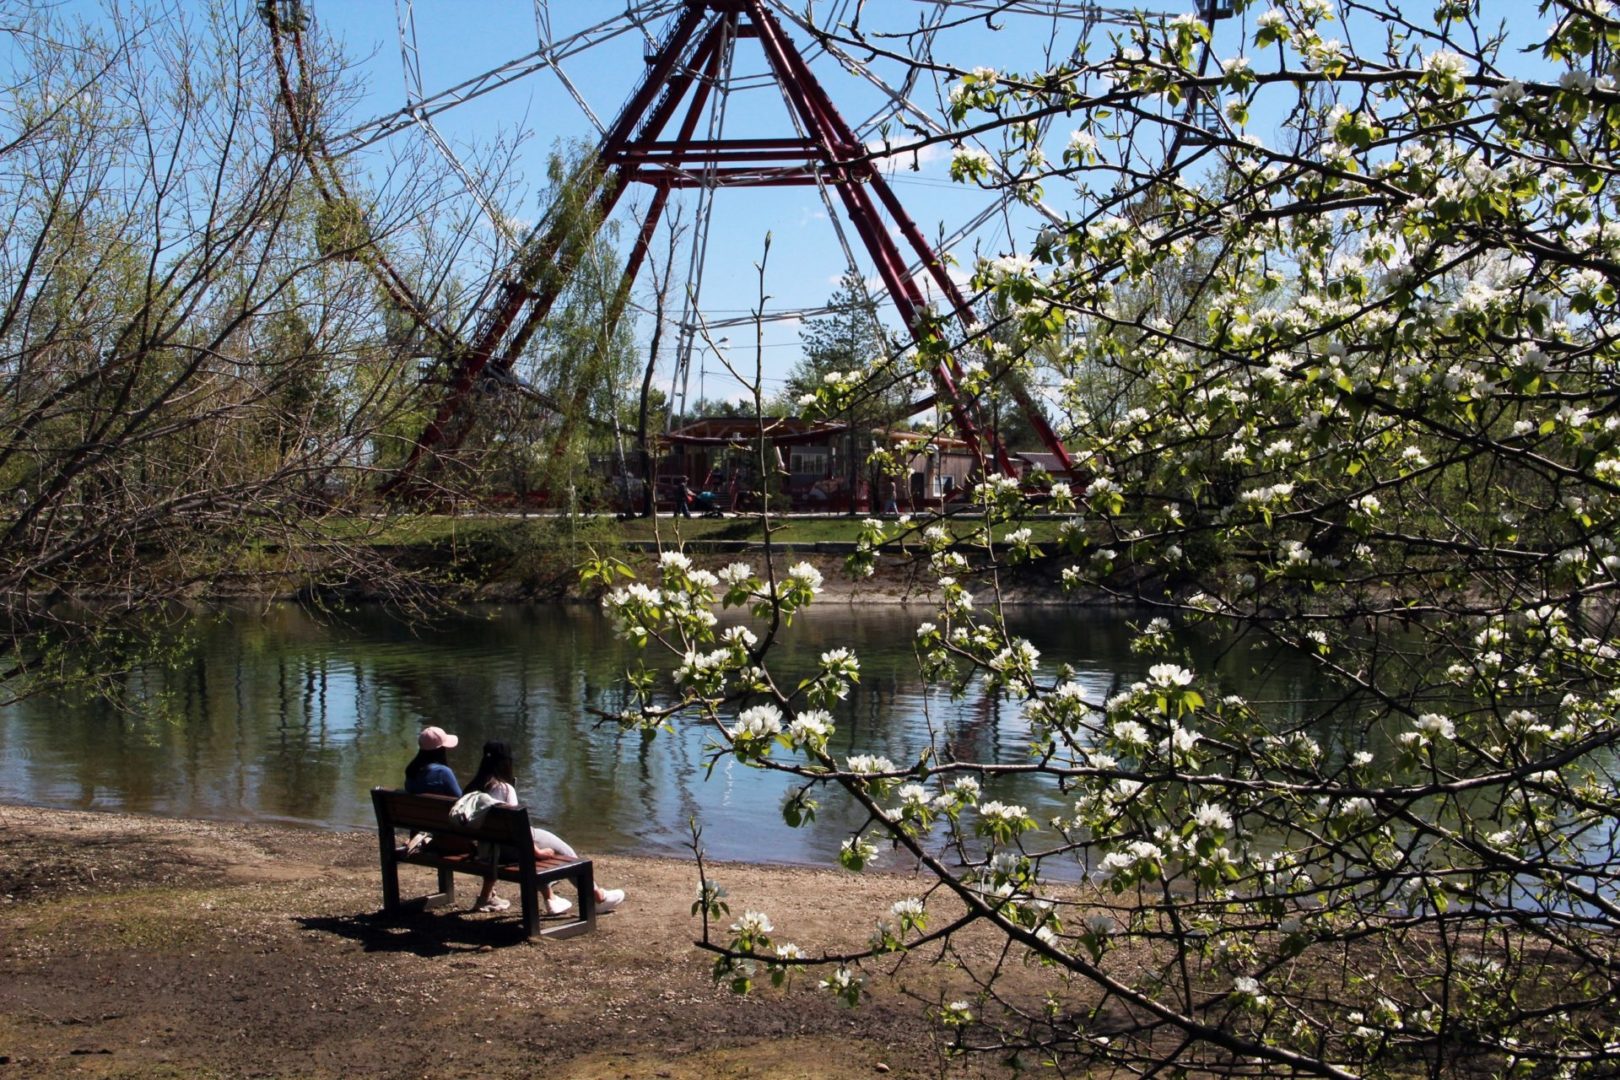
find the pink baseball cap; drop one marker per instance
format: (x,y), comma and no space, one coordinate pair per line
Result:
(433,738)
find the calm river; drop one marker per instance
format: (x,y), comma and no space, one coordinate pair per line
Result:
(279,717)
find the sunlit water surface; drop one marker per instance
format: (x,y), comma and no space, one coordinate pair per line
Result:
(275,716)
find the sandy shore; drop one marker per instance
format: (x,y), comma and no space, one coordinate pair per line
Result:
(147,947)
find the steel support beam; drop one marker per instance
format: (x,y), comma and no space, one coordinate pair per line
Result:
(633,150)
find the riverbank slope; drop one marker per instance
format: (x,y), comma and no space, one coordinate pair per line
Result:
(512,560)
(135,946)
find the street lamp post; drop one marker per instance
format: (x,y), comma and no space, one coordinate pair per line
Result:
(703,365)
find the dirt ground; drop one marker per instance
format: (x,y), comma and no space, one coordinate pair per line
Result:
(147,947)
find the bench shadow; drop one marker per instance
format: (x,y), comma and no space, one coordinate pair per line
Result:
(422,933)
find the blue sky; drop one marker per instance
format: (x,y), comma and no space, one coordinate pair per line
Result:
(458,40)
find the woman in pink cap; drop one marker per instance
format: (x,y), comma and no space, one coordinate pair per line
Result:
(429,773)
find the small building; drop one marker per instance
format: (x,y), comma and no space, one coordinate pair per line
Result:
(1033,461)
(720,455)
(810,463)
(939,468)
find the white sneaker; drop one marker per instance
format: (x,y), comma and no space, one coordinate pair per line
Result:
(494,903)
(558,905)
(611,898)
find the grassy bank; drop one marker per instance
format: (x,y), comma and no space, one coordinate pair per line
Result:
(513,558)
(476,528)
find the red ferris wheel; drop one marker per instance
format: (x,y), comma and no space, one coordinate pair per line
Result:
(670,138)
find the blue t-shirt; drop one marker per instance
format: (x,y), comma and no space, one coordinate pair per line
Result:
(436,779)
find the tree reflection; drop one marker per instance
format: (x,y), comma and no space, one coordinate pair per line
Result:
(275,715)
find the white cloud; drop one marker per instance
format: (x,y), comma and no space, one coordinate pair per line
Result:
(925,282)
(902,158)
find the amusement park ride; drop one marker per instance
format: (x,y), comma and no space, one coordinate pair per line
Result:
(670,135)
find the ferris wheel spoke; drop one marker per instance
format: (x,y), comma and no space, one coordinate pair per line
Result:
(922,47)
(579,99)
(1082,11)
(902,104)
(410,56)
(833,217)
(379,128)
(720,76)
(291,62)
(685,87)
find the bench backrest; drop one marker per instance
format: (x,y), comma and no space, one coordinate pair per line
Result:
(431,813)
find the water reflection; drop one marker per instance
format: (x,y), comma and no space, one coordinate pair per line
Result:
(276,716)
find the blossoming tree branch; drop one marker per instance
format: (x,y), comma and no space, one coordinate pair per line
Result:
(1338,352)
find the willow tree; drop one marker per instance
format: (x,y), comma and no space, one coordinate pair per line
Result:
(1389,447)
(573,378)
(190,379)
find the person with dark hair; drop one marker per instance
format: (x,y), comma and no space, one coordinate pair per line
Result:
(429,771)
(683,497)
(495,777)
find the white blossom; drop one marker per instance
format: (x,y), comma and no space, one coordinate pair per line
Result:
(811,726)
(806,575)
(1211,816)
(1011,813)
(1249,987)
(758,722)
(911,907)
(970,159)
(869,763)
(1169,676)
(1435,725)
(752,922)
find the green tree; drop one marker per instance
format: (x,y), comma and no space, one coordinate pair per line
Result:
(539,433)
(849,337)
(187,382)
(850,353)
(1379,432)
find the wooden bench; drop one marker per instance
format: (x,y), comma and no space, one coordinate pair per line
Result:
(454,850)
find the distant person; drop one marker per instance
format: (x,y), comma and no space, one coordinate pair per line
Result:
(683,496)
(890,506)
(494,777)
(429,771)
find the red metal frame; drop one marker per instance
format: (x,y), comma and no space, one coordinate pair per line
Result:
(635,151)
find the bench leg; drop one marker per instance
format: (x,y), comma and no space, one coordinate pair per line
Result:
(531,910)
(567,929)
(446,896)
(385,851)
(584,882)
(390,887)
(390,870)
(585,885)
